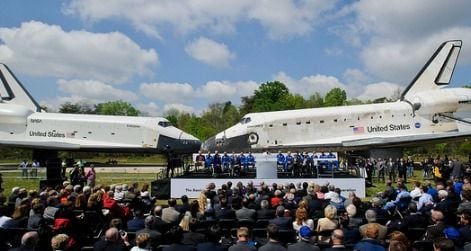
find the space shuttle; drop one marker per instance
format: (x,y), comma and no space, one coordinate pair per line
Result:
(24,124)
(426,112)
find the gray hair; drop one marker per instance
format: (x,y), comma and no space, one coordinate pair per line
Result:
(370,215)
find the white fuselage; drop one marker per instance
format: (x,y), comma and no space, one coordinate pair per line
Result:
(334,125)
(22,127)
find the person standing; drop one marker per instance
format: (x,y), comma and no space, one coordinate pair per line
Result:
(24,169)
(1,182)
(402,168)
(34,169)
(91,176)
(410,167)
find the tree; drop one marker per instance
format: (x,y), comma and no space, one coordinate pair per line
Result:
(247,105)
(396,95)
(335,97)
(80,108)
(292,101)
(172,115)
(314,101)
(116,108)
(268,97)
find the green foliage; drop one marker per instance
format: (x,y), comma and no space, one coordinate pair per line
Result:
(314,101)
(270,97)
(354,101)
(335,97)
(76,108)
(13,154)
(116,108)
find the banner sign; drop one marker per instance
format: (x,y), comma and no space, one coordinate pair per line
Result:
(193,187)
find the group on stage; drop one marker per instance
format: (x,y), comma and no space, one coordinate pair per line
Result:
(235,164)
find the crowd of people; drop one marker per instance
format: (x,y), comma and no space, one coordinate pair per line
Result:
(302,216)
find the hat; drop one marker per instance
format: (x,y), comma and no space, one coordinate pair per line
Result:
(305,232)
(451,233)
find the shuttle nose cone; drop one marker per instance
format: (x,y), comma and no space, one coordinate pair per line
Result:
(209,144)
(185,144)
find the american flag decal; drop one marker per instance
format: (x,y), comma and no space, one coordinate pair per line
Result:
(358,130)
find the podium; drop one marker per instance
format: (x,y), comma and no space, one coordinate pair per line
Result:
(266,169)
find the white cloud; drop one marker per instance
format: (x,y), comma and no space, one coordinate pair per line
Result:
(150,109)
(309,85)
(211,92)
(406,20)
(210,52)
(400,61)
(167,92)
(217,91)
(279,17)
(40,49)
(379,90)
(355,76)
(94,90)
(396,41)
(179,107)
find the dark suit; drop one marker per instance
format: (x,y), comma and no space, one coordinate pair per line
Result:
(193,238)
(415,220)
(135,224)
(179,247)
(154,236)
(338,248)
(226,213)
(265,214)
(284,223)
(183,208)
(242,246)
(103,245)
(205,246)
(272,246)
(246,214)
(303,246)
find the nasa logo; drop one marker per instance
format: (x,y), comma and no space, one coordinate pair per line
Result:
(417,125)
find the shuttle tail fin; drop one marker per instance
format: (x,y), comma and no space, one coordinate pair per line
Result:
(13,92)
(438,70)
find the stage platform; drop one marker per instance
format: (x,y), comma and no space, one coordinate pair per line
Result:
(192,181)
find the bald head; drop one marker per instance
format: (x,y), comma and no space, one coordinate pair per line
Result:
(337,237)
(30,239)
(112,234)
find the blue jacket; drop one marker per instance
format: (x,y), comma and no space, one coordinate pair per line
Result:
(280,159)
(369,245)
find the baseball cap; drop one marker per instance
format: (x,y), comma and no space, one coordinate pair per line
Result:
(305,232)
(451,233)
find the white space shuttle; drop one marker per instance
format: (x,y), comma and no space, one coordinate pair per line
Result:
(23,124)
(425,112)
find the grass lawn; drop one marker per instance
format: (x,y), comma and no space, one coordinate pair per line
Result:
(13,178)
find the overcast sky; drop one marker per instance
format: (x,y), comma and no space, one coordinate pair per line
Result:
(162,54)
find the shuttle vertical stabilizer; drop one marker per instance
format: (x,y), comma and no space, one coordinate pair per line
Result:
(438,70)
(13,92)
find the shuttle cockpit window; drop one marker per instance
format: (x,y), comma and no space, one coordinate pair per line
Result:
(165,123)
(245,120)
